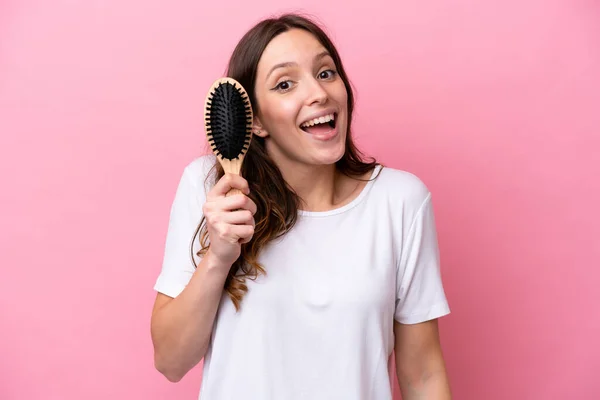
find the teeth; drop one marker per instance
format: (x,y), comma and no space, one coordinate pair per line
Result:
(320,120)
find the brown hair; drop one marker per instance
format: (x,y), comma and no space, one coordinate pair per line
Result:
(277,203)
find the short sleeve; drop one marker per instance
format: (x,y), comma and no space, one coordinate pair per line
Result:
(420,293)
(185,215)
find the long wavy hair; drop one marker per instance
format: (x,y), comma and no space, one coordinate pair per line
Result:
(277,203)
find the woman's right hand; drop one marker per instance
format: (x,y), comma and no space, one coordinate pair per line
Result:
(229,219)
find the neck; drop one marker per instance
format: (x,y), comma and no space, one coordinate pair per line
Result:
(319,186)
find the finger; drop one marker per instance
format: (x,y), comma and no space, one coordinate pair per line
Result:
(241,217)
(228,182)
(236,202)
(245,233)
(245,240)
(235,233)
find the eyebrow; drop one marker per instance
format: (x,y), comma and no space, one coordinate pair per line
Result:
(322,54)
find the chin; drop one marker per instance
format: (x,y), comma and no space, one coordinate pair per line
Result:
(331,155)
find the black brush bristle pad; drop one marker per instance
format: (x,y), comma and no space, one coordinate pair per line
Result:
(228,116)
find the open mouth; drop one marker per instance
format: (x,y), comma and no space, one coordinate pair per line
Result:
(320,125)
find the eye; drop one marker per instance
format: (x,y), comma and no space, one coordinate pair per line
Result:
(327,74)
(283,86)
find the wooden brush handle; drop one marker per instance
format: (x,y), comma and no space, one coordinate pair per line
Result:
(232,167)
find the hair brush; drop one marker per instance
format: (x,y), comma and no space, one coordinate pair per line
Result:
(228,123)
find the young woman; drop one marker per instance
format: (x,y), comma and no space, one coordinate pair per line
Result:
(321,269)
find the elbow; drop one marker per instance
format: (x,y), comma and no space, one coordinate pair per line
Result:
(173,378)
(172,374)
(172,366)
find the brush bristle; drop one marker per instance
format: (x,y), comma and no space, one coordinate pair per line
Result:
(228,120)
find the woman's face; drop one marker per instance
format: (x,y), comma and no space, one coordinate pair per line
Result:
(302,101)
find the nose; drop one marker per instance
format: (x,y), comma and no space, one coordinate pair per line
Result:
(316,94)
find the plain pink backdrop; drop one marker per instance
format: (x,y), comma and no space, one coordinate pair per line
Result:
(494,104)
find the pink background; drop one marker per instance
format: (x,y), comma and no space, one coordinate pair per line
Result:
(494,104)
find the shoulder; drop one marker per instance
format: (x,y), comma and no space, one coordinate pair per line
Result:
(197,171)
(402,186)
(200,166)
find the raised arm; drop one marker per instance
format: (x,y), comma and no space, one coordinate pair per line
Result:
(181,326)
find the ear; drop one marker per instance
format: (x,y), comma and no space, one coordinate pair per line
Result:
(258,130)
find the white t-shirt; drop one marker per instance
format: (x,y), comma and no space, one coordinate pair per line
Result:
(319,325)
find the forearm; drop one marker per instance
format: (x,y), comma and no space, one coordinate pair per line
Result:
(430,386)
(181,329)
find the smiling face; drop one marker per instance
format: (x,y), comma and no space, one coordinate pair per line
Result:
(302,101)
